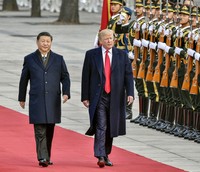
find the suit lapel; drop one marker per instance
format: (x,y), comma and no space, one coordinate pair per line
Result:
(36,57)
(99,60)
(51,59)
(114,58)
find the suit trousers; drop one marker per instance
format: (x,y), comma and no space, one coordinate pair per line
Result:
(43,138)
(103,141)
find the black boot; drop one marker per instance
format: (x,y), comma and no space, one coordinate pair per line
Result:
(194,132)
(161,112)
(153,113)
(129,112)
(162,123)
(136,120)
(169,120)
(143,109)
(197,139)
(178,120)
(189,130)
(170,129)
(182,122)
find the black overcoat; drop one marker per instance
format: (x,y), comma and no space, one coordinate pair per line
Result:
(93,84)
(45,87)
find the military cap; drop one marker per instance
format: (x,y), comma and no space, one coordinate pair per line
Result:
(150,4)
(121,2)
(185,9)
(177,8)
(168,6)
(157,2)
(139,3)
(194,11)
(127,11)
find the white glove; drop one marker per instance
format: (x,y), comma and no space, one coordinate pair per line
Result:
(144,26)
(137,43)
(179,33)
(190,34)
(167,49)
(136,25)
(151,28)
(178,50)
(196,38)
(145,43)
(153,45)
(161,45)
(121,18)
(161,28)
(197,56)
(167,32)
(190,52)
(131,55)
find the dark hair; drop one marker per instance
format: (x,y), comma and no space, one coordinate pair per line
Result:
(44,34)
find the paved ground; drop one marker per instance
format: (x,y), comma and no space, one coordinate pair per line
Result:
(17,38)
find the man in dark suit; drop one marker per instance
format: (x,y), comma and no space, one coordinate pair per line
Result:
(46,71)
(106,76)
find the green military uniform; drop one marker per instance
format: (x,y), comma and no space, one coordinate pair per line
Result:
(194,133)
(152,92)
(140,84)
(179,96)
(165,95)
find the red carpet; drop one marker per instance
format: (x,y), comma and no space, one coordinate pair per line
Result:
(71,152)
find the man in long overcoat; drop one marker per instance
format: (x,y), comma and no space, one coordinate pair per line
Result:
(47,72)
(106,108)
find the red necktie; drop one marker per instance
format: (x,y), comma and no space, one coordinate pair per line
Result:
(107,72)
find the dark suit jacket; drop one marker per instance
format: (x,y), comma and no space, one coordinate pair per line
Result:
(45,87)
(93,81)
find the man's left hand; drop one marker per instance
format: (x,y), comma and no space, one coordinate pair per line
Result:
(130,100)
(65,98)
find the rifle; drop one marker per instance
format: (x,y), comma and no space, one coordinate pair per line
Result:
(156,76)
(136,53)
(194,87)
(186,81)
(174,81)
(149,76)
(165,77)
(141,72)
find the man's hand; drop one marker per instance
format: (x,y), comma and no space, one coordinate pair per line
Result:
(86,103)
(65,98)
(22,104)
(130,99)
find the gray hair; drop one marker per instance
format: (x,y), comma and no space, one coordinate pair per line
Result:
(104,32)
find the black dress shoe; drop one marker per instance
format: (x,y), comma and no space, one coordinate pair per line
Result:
(43,163)
(50,163)
(108,162)
(101,162)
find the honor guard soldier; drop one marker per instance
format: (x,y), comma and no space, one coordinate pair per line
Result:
(151,63)
(168,27)
(123,42)
(137,33)
(115,7)
(194,132)
(181,98)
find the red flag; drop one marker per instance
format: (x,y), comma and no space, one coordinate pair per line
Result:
(105,15)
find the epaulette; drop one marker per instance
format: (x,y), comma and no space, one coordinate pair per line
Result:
(186,31)
(141,20)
